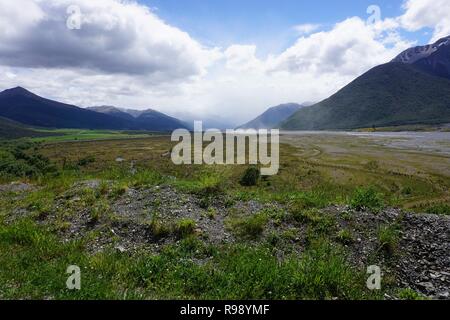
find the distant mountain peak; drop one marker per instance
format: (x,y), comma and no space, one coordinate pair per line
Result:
(433,59)
(104,109)
(17,91)
(283,106)
(415,54)
(273,116)
(148,119)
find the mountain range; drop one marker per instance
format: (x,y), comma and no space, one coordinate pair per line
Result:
(143,119)
(25,107)
(273,116)
(414,88)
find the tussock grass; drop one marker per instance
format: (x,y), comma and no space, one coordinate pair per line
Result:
(345,236)
(388,237)
(367,198)
(409,294)
(441,208)
(320,223)
(185,228)
(248,226)
(37,271)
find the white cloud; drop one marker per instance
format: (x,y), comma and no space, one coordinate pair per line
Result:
(307,28)
(313,68)
(115,37)
(15,17)
(242,57)
(433,14)
(350,48)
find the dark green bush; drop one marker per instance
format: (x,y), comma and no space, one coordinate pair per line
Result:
(86,161)
(19,161)
(251,177)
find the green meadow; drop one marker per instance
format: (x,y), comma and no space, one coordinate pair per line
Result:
(61,135)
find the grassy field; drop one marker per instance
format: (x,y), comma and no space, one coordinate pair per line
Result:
(317,164)
(61,135)
(409,128)
(264,259)
(407,177)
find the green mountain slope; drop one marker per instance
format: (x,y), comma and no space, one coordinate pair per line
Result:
(388,95)
(11,130)
(272,116)
(21,105)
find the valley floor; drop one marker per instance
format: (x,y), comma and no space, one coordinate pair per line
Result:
(140,227)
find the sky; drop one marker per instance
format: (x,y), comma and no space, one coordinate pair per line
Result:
(267,23)
(228,60)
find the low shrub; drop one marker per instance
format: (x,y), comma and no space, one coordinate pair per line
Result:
(86,161)
(23,161)
(250,177)
(366,198)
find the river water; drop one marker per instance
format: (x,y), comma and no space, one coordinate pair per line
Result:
(433,142)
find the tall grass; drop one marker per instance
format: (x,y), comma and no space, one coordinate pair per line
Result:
(37,271)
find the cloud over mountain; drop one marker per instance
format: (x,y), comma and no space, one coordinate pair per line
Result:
(114,37)
(433,14)
(349,48)
(125,54)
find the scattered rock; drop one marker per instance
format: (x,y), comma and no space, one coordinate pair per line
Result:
(17,187)
(89,184)
(427,286)
(121,249)
(444,295)
(421,261)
